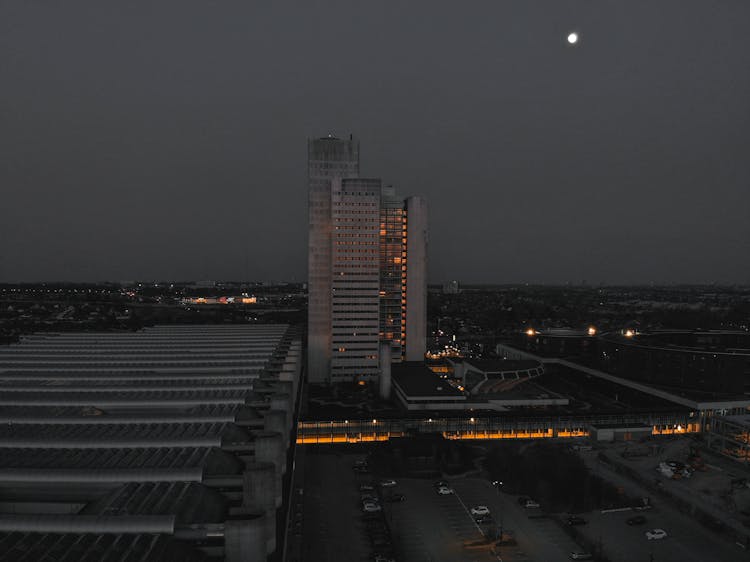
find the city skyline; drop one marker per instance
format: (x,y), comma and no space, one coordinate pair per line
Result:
(177,155)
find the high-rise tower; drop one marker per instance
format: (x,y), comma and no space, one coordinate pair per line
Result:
(327,158)
(367,268)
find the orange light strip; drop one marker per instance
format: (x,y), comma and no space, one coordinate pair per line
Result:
(328,438)
(689,428)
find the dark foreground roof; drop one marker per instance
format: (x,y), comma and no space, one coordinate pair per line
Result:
(43,547)
(415,379)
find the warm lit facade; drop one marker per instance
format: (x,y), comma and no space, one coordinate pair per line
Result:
(393,271)
(367,268)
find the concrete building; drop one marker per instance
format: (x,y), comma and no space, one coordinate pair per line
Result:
(327,158)
(620,432)
(415,299)
(730,436)
(355,281)
(170,443)
(367,268)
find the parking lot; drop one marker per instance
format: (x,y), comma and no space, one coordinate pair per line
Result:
(334,527)
(687,540)
(428,527)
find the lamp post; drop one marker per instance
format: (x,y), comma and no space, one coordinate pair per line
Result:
(497,484)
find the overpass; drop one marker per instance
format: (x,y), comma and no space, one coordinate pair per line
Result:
(489,427)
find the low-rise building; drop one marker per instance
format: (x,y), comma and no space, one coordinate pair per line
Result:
(168,443)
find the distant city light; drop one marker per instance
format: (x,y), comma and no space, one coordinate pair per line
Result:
(629,333)
(573,38)
(531,332)
(592,331)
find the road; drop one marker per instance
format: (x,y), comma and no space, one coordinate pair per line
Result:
(333,529)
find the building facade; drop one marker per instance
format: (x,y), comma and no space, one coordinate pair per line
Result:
(327,158)
(355,280)
(367,268)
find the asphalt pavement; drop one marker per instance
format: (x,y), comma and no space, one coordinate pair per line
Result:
(687,540)
(333,524)
(428,527)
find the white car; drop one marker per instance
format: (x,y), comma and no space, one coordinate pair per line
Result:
(530,504)
(479,510)
(370,507)
(389,483)
(444,491)
(656,534)
(580,556)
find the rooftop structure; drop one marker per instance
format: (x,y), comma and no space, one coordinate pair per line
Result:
(494,376)
(701,363)
(417,387)
(704,403)
(165,444)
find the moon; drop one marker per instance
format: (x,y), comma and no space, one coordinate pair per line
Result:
(573,38)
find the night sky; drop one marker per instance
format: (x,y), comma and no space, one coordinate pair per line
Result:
(168,140)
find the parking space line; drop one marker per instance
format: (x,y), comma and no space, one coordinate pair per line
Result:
(458,497)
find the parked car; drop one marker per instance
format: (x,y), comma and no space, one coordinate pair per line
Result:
(480,510)
(440,484)
(484,520)
(444,491)
(381,541)
(387,483)
(580,556)
(526,501)
(396,498)
(656,534)
(576,520)
(370,507)
(637,520)
(368,496)
(366,488)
